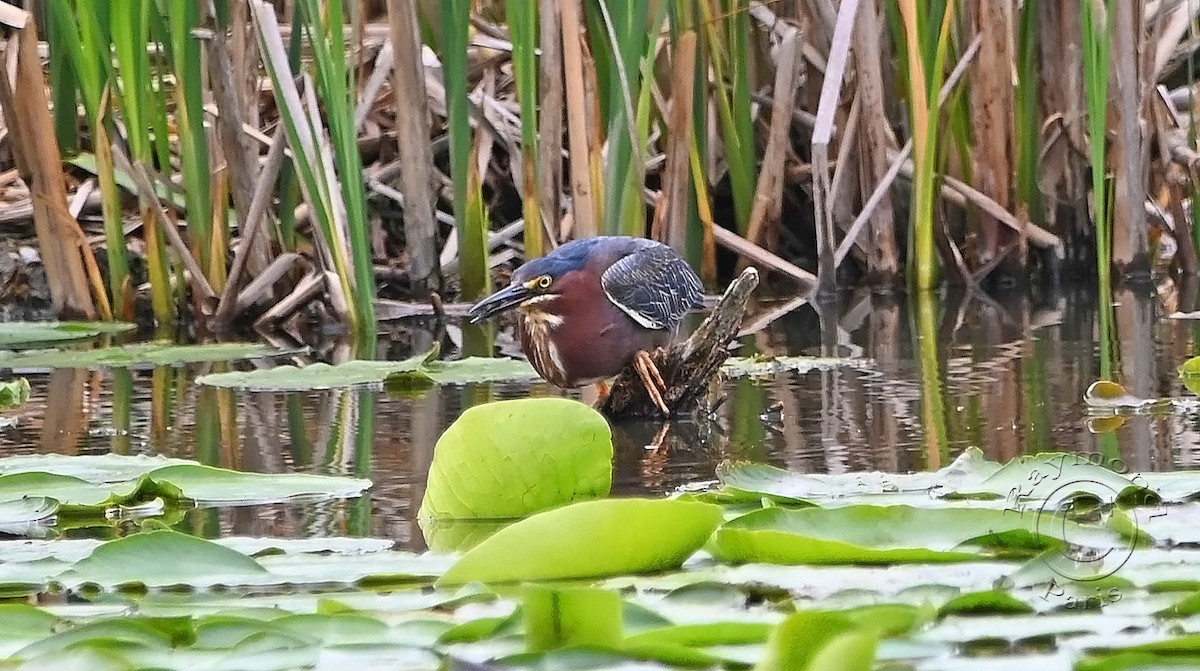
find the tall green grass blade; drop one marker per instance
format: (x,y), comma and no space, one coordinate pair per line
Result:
(472,239)
(737,15)
(335,83)
(1096,51)
(62,37)
(312,156)
(129,26)
(739,147)
(523,26)
(186,63)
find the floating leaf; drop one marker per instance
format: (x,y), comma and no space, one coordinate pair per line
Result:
(1056,478)
(747,481)
(93,468)
(26,510)
(29,333)
(155,354)
(467,370)
(207,484)
(815,641)
(892,534)
(589,540)
(73,493)
(766,366)
(514,458)
(1107,396)
(565,616)
(417,370)
(161,558)
(82,482)
(14,393)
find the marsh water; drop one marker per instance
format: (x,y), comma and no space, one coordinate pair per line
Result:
(917,382)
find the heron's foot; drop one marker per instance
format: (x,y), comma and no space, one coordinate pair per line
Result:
(602,390)
(652,379)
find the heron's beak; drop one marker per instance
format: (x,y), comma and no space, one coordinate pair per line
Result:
(505,299)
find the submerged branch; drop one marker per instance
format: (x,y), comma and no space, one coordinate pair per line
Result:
(689,366)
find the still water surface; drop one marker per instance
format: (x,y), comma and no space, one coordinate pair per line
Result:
(1006,374)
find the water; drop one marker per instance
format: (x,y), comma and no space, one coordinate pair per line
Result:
(1006,374)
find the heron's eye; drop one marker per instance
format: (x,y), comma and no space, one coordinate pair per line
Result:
(544,282)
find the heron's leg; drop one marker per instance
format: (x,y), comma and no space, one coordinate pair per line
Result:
(652,379)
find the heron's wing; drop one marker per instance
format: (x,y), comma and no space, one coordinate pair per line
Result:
(654,286)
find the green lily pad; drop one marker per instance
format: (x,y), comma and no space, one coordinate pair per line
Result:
(778,365)
(590,539)
(751,481)
(207,484)
(14,393)
(815,641)
(160,557)
(73,493)
(93,468)
(564,616)
(514,458)
(466,371)
(29,333)
(1056,478)
(91,482)
(892,534)
(26,510)
(155,354)
(417,370)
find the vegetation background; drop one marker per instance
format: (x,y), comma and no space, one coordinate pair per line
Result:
(237,160)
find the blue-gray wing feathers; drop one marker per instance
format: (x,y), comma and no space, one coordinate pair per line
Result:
(654,286)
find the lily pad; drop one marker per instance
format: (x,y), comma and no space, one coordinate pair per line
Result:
(514,458)
(590,539)
(153,354)
(778,365)
(160,557)
(207,484)
(93,468)
(748,481)
(814,641)
(27,510)
(73,493)
(420,369)
(29,333)
(14,393)
(892,534)
(95,482)
(1056,478)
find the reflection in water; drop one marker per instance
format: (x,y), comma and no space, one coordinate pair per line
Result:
(946,372)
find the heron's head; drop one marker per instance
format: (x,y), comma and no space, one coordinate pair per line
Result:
(537,281)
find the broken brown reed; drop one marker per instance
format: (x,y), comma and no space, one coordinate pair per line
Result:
(35,149)
(687,367)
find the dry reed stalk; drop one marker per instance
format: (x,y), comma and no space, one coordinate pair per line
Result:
(674,212)
(583,197)
(768,192)
(550,119)
(241,156)
(1131,247)
(35,148)
(992,111)
(822,136)
(416,157)
(875,140)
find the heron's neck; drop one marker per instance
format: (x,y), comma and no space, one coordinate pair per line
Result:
(539,313)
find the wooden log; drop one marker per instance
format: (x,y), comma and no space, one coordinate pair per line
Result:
(687,367)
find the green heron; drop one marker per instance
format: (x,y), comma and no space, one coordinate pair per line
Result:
(594,305)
